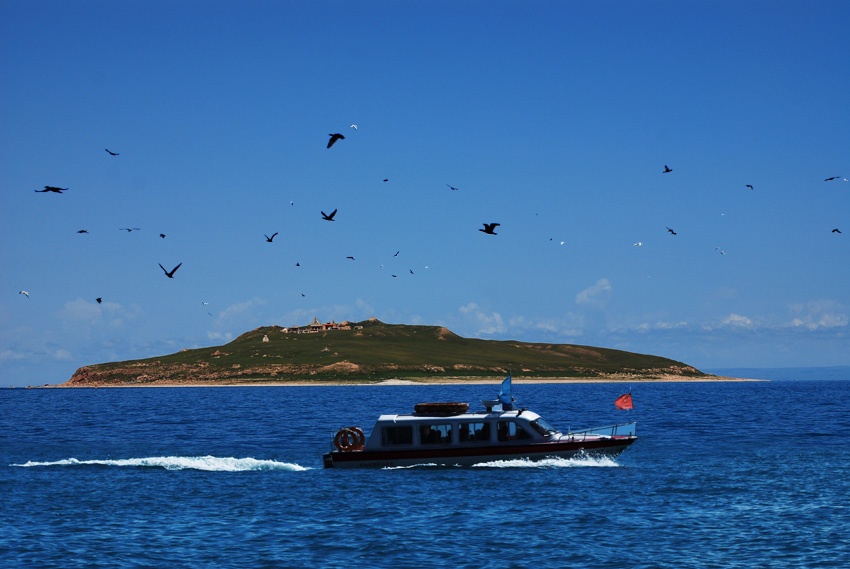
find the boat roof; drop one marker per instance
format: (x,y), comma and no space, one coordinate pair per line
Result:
(469,416)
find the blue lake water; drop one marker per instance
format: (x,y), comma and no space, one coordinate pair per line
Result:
(724,475)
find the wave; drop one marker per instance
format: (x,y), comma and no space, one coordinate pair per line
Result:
(207,463)
(576,461)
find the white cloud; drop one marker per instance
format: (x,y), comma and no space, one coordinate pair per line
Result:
(737,320)
(818,314)
(594,294)
(485,323)
(62,355)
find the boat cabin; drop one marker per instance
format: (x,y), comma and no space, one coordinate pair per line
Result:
(433,430)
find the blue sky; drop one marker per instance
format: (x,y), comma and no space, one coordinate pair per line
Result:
(554,119)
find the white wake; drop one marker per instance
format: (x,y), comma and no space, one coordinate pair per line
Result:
(208,463)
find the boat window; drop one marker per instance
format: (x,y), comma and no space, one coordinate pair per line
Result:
(510,431)
(544,428)
(474,432)
(435,434)
(397,436)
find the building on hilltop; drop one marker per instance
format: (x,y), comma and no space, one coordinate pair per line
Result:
(316,326)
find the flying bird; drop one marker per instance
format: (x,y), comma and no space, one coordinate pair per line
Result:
(386,179)
(171,274)
(489,228)
(354,126)
(836,230)
(666,169)
(749,186)
(454,189)
(53,189)
(350,257)
(83,231)
(396,253)
(269,239)
(638,244)
(411,271)
(25,293)
(204,303)
(129,229)
(330,217)
(110,152)
(162,235)
(671,231)
(334,138)
(98,299)
(827,180)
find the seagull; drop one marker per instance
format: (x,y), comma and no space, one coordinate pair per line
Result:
(354,126)
(25,293)
(749,186)
(723,252)
(827,180)
(638,244)
(836,230)
(334,138)
(204,303)
(666,169)
(671,231)
(330,217)
(171,274)
(83,231)
(129,229)
(454,189)
(110,152)
(53,189)
(269,239)
(489,228)
(99,300)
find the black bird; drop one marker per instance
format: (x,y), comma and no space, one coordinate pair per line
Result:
(666,169)
(110,152)
(297,264)
(334,138)
(396,253)
(171,274)
(53,189)
(411,271)
(162,235)
(452,188)
(129,229)
(489,228)
(269,239)
(99,300)
(749,186)
(83,231)
(349,257)
(836,230)
(330,217)
(827,180)
(671,231)
(386,179)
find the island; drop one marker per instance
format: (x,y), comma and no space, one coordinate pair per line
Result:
(373,352)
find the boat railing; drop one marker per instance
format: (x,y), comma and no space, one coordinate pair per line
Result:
(620,430)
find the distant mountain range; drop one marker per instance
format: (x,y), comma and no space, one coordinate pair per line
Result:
(374,351)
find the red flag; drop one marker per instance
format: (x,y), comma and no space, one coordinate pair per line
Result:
(624,401)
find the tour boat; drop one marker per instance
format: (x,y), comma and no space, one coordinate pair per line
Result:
(447,434)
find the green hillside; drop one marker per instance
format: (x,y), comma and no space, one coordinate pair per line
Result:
(372,350)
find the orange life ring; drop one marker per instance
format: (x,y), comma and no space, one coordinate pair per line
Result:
(349,439)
